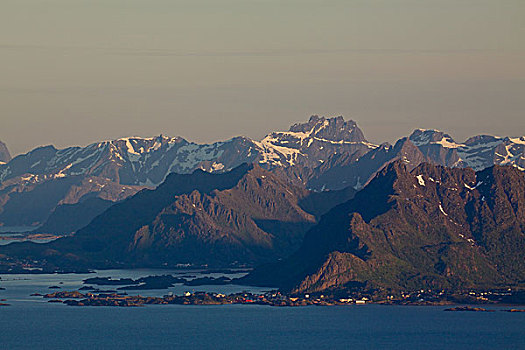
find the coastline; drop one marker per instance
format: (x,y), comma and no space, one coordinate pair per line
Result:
(274,299)
(191,286)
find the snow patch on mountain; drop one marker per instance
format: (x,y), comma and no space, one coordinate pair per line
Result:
(420,180)
(519,141)
(423,137)
(442,211)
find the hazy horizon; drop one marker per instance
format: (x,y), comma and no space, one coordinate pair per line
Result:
(77,72)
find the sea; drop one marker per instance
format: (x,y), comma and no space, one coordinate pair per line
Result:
(30,322)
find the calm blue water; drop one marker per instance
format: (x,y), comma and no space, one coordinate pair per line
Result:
(30,323)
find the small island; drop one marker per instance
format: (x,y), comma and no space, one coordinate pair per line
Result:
(468,308)
(75,298)
(155,282)
(271,298)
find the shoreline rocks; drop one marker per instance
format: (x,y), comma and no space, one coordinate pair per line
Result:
(468,308)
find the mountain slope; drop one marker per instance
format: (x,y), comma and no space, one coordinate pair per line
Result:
(310,144)
(24,202)
(322,153)
(244,216)
(147,161)
(5,156)
(355,170)
(430,146)
(68,218)
(478,152)
(130,164)
(432,227)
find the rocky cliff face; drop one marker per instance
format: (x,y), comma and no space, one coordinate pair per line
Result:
(5,156)
(431,227)
(245,216)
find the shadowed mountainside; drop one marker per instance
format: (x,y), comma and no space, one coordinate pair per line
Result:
(68,218)
(5,156)
(245,216)
(432,227)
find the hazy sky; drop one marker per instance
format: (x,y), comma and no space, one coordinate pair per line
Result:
(77,71)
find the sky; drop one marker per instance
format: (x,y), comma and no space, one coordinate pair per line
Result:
(74,72)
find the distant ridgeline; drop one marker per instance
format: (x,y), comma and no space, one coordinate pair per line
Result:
(321,154)
(429,212)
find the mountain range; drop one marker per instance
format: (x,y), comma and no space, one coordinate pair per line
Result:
(245,216)
(317,208)
(428,227)
(321,154)
(431,227)
(114,170)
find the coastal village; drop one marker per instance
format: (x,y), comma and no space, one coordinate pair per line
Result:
(275,298)
(115,293)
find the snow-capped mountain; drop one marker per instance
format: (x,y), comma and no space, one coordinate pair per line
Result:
(323,153)
(310,144)
(128,161)
(147,161)
(478,152)
(430,146)
(126,165)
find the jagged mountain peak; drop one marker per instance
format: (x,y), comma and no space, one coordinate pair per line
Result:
(132,160)
(313,142)
(332,128)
